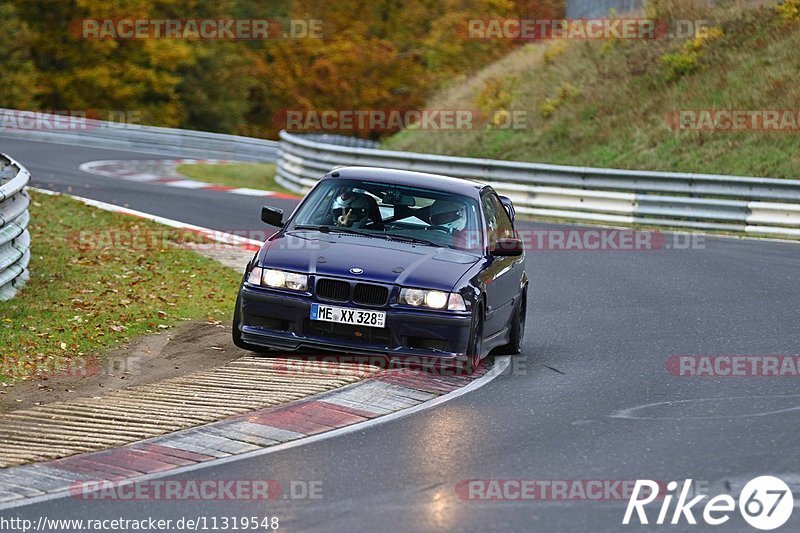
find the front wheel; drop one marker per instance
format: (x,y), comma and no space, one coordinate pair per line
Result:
(475,348)
(517,333)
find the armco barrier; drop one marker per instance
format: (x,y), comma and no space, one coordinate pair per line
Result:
(38,126)
(15,240)
(759,206)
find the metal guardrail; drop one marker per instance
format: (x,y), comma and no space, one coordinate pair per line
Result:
(39,126)
(759,206)
(341,140)
(15,240)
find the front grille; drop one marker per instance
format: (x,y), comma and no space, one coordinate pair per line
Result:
(334,290)
(367,294)
(359,334)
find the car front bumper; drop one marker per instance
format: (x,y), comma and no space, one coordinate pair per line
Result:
(281,320)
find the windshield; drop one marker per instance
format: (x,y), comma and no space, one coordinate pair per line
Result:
(392,211)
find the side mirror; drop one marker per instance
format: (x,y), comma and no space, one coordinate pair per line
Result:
(506,201)
(272,216)
(507,247)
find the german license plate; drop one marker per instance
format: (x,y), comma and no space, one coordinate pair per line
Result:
(341,315)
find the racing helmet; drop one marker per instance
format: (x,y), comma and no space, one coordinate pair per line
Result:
(351,209)
(449,214)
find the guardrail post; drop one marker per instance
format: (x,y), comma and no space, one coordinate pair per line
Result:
(15,240)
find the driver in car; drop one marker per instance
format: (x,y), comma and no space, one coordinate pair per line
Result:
(351,209)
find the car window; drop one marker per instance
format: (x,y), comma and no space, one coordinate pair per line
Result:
(382,209)
(491,221)
(498,223)
(319,208)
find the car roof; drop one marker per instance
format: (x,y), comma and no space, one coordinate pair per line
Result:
(407,177)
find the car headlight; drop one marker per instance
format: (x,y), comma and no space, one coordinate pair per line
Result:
(433,299)
(278,279)
(436,299)
(415,297)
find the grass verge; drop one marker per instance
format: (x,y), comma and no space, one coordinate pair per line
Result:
(98,279)
(614,103)
(250,175)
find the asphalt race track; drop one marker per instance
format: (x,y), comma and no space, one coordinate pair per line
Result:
(601,327)
(55,167)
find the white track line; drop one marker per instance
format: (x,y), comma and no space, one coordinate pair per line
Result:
(187,184)
(219,236)
(500,364)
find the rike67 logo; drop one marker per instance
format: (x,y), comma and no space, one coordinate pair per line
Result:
(765,503)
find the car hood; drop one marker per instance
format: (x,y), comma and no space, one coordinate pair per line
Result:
(382,261)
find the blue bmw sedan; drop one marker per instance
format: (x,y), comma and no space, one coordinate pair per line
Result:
(392,263)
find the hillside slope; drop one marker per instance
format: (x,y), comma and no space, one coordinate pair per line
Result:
(613,103)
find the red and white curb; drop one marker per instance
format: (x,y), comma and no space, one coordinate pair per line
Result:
(392,394)
(163,171)
(238,241)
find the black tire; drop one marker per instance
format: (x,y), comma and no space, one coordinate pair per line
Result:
(517,334)
(475,342)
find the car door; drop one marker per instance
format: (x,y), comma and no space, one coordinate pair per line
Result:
(501,281)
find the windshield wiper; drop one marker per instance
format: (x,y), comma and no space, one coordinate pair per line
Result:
(407,238)
(329,229)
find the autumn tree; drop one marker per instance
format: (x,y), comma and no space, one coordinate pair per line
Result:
(373,54)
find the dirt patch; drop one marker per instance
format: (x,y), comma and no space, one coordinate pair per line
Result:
(190,347)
